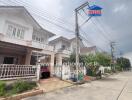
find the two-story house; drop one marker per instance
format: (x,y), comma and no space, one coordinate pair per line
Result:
(22,40)
(63,48)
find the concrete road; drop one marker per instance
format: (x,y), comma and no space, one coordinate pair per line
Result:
(115,87)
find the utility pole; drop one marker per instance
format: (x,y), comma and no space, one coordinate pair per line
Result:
(77,35)
(121,54)
(112,44)
(77,42)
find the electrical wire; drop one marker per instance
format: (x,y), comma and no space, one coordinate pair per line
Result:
(42,17)
(62,20)
(97,27)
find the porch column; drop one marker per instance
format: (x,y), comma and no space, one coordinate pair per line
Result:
(59,59)
(28,57)
(52,64)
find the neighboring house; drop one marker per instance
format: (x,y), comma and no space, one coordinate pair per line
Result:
(73,45)
(22,40)
(64,47)
(88,50)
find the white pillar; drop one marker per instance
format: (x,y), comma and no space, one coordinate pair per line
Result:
(52,64)
(38,72)
(59,59)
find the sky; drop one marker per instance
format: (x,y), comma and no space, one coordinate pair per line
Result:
(114,24)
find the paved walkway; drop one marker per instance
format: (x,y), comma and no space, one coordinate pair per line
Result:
(115,87)
(52,84)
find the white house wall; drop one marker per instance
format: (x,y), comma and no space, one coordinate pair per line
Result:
(18,19)
(2,22)
(42,34)
(58,45)
(67,45)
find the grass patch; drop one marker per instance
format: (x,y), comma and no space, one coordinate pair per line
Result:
(2,88)
(18,87)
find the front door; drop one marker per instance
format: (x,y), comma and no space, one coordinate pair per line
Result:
(8,60)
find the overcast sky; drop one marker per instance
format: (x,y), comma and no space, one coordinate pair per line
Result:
(114,24)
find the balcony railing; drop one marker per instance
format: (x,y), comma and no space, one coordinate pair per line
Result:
(26,43)
(64,51)
(11,71)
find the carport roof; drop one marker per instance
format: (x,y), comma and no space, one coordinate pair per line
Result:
(16,46)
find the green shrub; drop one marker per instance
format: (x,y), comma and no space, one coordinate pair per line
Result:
(90,72)
(118,68)
(2,88)
(21,86)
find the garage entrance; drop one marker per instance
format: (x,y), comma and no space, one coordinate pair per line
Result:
(45,71)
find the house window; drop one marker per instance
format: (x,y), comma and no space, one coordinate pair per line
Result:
(16,32)
(38,38)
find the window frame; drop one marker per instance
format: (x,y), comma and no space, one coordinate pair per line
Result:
(13,30)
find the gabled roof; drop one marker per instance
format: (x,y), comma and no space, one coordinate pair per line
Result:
(61,38)
(26,13)
(94,7)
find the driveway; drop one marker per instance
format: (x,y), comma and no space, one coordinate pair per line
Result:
(115,87)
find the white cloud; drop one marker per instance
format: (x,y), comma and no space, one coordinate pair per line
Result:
(120,8)
(53,7)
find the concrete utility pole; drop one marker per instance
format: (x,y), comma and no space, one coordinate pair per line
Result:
(121,55)
(112,44)
(77,35)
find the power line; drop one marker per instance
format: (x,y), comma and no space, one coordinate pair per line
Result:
(51,21)
(42,17)
(82,37)
(40,11)
(86,34)
(81,28)
(102,33)
(96,27)
(85,38)
(102,26)
(20,2)
(37,10)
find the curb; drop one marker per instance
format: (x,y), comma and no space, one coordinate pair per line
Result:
(69,82)
(23,95)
